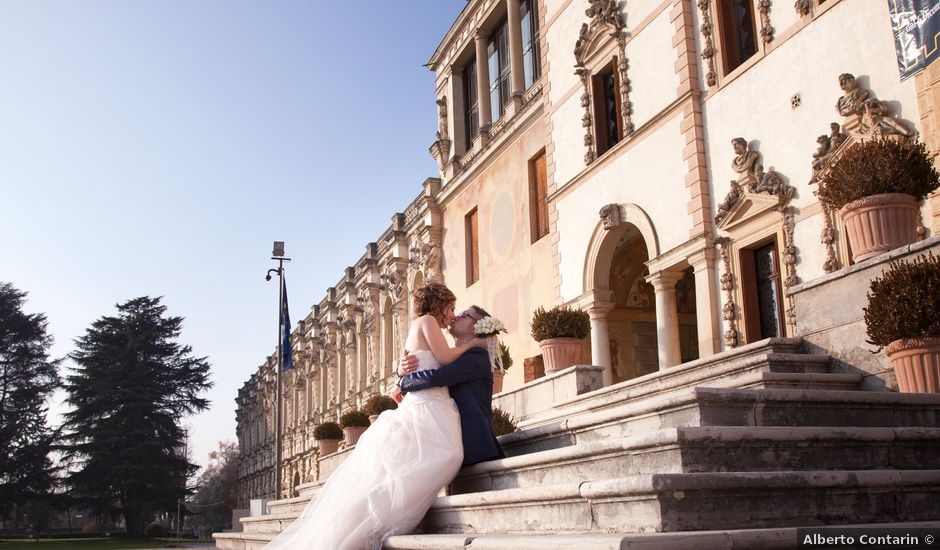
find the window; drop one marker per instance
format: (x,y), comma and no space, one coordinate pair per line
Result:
(608,125)
(538,197)
(530,41)
(738,32)
(498,59)
(763,299)
(473,247)
(472,106)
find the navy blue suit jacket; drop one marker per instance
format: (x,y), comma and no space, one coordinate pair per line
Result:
(470,382)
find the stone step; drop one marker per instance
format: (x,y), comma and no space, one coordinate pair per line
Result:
(726,369)
(769,539)
(691,502)
(802,380)
(731,407)
(269,523)
(711,449)
(242,541)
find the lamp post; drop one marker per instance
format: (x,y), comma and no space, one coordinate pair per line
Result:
(278,255)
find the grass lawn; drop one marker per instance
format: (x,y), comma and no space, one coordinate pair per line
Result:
(80,544)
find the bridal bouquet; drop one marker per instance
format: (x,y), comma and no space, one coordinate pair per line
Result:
(489,327)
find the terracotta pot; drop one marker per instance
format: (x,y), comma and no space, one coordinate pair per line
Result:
(916,362)
(498,381)
(328,446)
(880,223)
(353,433)
(560,353)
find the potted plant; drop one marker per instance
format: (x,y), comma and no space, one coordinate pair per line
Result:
(328,436)
(377,404)
(877,186)
(559,332)
(354,424)
(503,362)
(503,422)
(903,317)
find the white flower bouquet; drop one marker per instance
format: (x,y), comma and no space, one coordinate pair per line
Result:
(489,327)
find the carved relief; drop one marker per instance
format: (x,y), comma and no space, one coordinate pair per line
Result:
(605,20)
(751,179)
(727,286)
(802,7)
(766,31)
(708,44)
(789,260)
(610,214)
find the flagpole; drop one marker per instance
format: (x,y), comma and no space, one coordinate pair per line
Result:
(278,255)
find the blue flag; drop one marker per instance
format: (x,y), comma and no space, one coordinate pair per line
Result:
(286,361)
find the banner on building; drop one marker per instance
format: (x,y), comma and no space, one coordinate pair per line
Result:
(916,27)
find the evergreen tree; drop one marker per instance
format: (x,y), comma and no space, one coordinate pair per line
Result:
(27,378)
(132,386)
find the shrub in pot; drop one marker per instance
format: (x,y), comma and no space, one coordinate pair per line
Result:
(877,186)
(377,404)
(354,424)
(903,317)
(503,363)
(328,436)
(560,332)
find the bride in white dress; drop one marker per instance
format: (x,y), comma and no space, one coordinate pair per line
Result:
(401,462)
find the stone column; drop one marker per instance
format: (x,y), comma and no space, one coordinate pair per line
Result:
(667,318)
(600,336)
(706,302)
(483,82)
(514,25)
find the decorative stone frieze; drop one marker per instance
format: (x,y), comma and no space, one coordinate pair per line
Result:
(708,44)
(803,7)
(766,30)
(728,309)
(605,23)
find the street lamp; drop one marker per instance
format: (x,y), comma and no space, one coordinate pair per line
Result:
(278,255)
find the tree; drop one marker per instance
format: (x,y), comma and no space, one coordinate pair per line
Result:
(132,386)
(28,376)
(217,490)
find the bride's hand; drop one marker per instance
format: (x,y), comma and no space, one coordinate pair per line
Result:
(480,343)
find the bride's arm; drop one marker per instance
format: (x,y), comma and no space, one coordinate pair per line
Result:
(438,345)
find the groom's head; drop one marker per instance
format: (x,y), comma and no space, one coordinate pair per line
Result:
(462,327)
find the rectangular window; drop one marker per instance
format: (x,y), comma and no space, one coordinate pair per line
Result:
(738,32)
(473,247)
(763,297)
(498,58)
(538,197)
(472,105)
(530,41)
(608,124)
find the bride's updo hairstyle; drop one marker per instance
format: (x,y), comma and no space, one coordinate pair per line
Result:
(432,299)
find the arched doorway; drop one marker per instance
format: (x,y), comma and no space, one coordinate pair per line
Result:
(632,321)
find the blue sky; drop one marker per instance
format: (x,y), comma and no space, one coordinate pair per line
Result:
(159,147)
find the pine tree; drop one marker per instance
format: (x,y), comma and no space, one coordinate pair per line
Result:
(28,376)
(132,386)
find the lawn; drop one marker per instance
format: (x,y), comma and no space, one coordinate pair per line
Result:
(80,544)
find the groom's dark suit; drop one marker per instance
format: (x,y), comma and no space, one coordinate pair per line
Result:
(470,382)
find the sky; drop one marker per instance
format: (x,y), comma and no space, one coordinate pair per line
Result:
(159,147)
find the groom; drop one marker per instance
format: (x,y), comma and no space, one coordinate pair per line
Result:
(470,381)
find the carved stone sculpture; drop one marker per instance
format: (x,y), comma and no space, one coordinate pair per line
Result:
(731,199)
(610,214)
(877,123)
(442,118)
(851,101)
(708,46)
(431,253)
(745,161)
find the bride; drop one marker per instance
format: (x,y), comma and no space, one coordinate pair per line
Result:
(401,462)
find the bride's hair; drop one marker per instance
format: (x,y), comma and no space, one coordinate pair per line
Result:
(432,299)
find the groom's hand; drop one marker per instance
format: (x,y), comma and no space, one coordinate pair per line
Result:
(408,364)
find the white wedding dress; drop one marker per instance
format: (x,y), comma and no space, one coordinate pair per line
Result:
(389,481)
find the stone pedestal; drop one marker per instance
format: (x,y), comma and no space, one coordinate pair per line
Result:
(542,394)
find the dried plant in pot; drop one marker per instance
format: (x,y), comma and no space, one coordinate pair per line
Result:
(560,332)
(354,424)
(503,363)
(377,404)
(876,186)
(903,317)
(328,436)
(503,422)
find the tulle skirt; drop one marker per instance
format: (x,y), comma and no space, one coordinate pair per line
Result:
(389,481)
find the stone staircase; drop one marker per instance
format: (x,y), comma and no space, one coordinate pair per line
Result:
(734,451)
